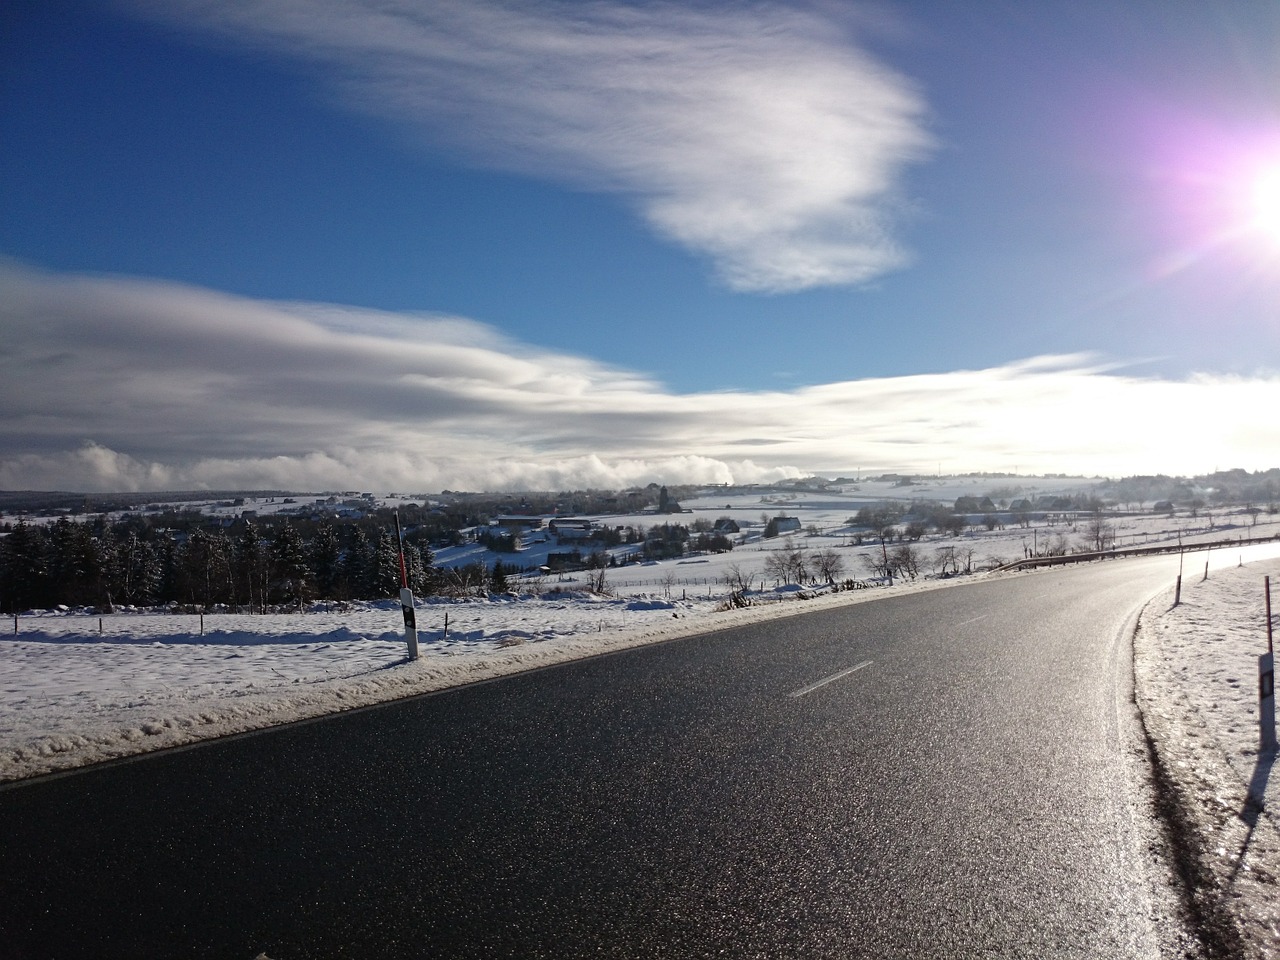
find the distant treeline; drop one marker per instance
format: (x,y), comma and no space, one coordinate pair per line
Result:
(36,501)
(188,561)
(188,558)
(1261,488)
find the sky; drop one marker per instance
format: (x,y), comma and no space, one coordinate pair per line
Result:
(415,246)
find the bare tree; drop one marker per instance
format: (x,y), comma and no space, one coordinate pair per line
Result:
(737,579)
(468,580)
(1099,532)
(668,582)
(905,558)
(598,583)
(787,565)
(876,563)
(739,582)
(776,566)
(798,565)
(1057,547)
(945,559)
(531,583)
(828,564)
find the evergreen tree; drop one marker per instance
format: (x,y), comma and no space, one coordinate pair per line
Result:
(326,561)
(222,574)
(423,575)
(107,589)
(252,567)
(138,570)
(416,569)
(386,567)
(358,566)
(195,560)
(170,575)
(23,568)
(291,565)
(498,579)
(75,564)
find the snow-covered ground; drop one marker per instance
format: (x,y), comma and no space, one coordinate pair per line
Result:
(1197,677)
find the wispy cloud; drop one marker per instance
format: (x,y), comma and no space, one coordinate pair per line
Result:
(111,384)
(763,136)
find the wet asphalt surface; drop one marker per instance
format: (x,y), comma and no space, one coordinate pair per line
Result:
(971,789)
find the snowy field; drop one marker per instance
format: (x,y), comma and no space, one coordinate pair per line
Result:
(1197,675)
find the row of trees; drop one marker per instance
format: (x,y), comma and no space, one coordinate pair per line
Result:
(907,561)
(670,540)
(793,564)
(882,520)
(70,563)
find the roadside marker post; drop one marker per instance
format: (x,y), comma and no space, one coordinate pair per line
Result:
(1267,686)
(1266,587)
(406,600)
(410,622)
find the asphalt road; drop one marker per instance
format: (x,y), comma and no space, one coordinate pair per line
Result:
(951,774)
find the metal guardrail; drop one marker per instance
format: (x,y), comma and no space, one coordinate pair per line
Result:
(1030,562)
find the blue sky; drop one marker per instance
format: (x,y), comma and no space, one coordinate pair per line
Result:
(707,213)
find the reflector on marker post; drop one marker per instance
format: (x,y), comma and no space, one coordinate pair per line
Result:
(406,600)
(1267,703)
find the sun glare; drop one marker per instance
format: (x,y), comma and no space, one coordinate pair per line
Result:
(1265,203)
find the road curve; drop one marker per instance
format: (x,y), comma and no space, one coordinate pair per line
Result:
(951,774)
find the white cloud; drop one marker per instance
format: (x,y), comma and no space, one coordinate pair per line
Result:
(111,384)
(761,135)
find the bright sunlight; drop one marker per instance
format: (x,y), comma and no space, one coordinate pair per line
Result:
(1265,203)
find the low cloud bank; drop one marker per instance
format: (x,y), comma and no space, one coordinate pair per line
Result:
(125,384)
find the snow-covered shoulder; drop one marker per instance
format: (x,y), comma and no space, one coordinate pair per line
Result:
(1197,672)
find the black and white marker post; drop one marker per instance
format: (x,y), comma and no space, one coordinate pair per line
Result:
(1267,686)
(406,599)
